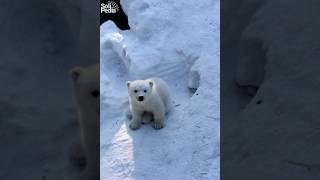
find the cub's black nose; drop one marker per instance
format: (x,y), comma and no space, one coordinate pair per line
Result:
(140,98)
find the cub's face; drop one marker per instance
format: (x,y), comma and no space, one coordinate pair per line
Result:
(86,82)
(139,90)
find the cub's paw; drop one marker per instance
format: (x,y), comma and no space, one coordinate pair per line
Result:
(134,125)
(157,125)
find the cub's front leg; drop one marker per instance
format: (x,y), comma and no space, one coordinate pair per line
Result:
(136,119)
(159,115)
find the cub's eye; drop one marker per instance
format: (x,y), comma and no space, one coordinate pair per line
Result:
(135,91)
(145,91)
(95,93)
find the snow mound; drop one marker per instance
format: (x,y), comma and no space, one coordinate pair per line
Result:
(179,42)
(279,125)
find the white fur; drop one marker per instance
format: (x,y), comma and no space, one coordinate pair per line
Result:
(156,101)
(85,81)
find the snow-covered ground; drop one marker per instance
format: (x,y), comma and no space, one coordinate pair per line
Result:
(273,134)
(178,41)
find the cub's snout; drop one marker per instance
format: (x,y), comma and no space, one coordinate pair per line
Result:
(140,98)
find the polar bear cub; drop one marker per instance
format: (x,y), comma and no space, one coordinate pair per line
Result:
(149,96)
(86,83)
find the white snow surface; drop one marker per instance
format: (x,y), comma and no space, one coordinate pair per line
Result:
(278,126)
(178,41)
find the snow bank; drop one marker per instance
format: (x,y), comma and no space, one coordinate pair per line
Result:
(179,42)
(285,67)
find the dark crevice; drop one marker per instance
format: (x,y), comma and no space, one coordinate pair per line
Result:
(250,71)
(194,82)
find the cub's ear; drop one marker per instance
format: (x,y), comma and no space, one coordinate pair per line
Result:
(75,73)
(128,83)
(151,83)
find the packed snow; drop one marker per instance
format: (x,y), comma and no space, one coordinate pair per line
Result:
(178,41)
(274,132)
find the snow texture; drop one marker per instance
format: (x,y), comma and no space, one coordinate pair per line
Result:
(178,41)
(279,126)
